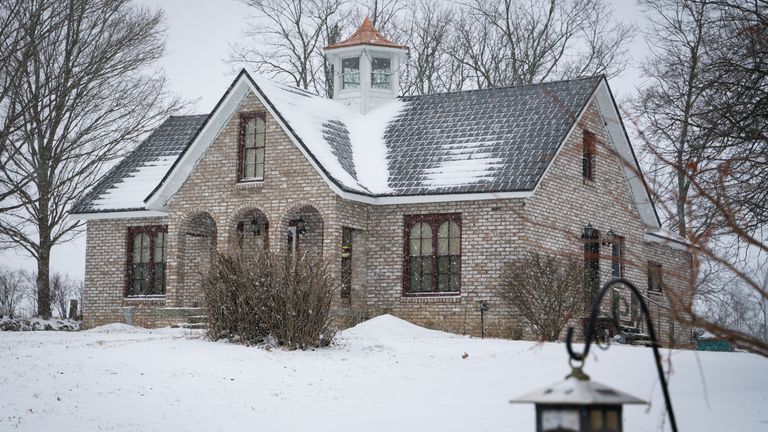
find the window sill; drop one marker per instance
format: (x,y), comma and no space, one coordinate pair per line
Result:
(249,183)
(588,182)
(431,298)
(146,298)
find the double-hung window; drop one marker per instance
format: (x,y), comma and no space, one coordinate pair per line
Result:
(253,133)
(146,260)
(381,73)
(617,257)
(350,73)
(433,254)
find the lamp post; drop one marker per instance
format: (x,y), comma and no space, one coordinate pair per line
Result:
(578,404)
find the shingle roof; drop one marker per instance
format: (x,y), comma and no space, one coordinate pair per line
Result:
(484,140)
(479,141)
(128,183)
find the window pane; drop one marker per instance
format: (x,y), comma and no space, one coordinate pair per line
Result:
(160,247)
(612,420)
(250,132)
(350,72)
(381,73)
(259,155)
(260,126)
(259,171)
(596,419)
(159,287)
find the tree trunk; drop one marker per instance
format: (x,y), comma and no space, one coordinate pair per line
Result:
(43,282)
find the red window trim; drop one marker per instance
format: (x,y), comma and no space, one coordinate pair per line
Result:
(589,144)
(244,117)
(434,220)
(151,231)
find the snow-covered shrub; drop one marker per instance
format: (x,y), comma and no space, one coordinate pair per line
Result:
(252,297)
(545,291)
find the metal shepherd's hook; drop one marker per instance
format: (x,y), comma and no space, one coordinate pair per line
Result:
(590,335)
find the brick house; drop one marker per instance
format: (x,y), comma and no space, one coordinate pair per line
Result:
(417,201)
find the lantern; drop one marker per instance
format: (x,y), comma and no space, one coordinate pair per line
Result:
(578,405)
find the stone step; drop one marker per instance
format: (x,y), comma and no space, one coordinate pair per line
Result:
(197,319)
(191,326)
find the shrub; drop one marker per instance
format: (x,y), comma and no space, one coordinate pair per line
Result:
(252,297)
(545,290)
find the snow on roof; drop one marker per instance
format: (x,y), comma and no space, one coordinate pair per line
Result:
(578,392)
(347,144)
(128,183)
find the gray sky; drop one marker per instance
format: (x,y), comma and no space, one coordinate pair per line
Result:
(199,32)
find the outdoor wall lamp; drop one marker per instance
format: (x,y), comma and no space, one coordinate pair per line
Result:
(609,238)
(256,226)
(580,405)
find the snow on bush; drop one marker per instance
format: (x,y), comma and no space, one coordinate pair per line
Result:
(37,324)
(263,296)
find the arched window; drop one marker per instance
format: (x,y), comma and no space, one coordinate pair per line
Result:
(433,264)
(146,260)
(252,232)
(448,256)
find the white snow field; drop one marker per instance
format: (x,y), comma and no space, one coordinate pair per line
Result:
(383,375)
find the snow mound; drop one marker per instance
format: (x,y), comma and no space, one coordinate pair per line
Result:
(387,326)
(116,328)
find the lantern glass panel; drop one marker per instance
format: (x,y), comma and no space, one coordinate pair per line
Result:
(604,420)
(560,419)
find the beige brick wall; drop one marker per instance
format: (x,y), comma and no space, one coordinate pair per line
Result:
(494,232)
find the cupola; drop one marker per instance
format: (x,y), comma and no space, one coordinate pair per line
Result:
(365,68)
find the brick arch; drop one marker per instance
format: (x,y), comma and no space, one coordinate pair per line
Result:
(240,228)
(310,238)
(197,247)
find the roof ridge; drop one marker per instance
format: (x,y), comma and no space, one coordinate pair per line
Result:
(598,76)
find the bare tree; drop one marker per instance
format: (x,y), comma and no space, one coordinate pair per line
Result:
(13,288)
(702,120)
(284,39)
(428,31)
(507,42)
(545,290)
(89,93)
(63,289)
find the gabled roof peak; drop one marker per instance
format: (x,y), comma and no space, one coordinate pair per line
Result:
(366,35)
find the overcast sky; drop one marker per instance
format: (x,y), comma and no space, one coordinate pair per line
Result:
(199,33)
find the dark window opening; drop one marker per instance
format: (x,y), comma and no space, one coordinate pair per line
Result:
(146,261)
(432,254)
(655,282)
(588,155)
(617,257)
(253,132)
(591,239)
(346,262)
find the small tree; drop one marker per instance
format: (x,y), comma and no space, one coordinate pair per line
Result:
(13,287)
(545,290)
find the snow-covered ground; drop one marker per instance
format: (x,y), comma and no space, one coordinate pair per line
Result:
(384,375)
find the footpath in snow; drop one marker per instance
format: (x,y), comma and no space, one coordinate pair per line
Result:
(383,375)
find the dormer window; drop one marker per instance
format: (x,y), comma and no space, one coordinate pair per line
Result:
(253,133)
(350,73)
(381,73)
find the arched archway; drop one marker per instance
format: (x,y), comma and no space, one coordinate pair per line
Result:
(249,230)
(303,227)
(198,245)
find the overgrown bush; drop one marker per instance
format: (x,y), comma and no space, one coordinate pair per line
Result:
(253,297)
(545,290)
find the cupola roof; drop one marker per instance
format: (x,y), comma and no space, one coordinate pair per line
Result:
(366,35)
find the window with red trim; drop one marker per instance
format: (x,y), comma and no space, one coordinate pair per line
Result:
(253,134)
(432,262)
(588,155)
(146,260)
